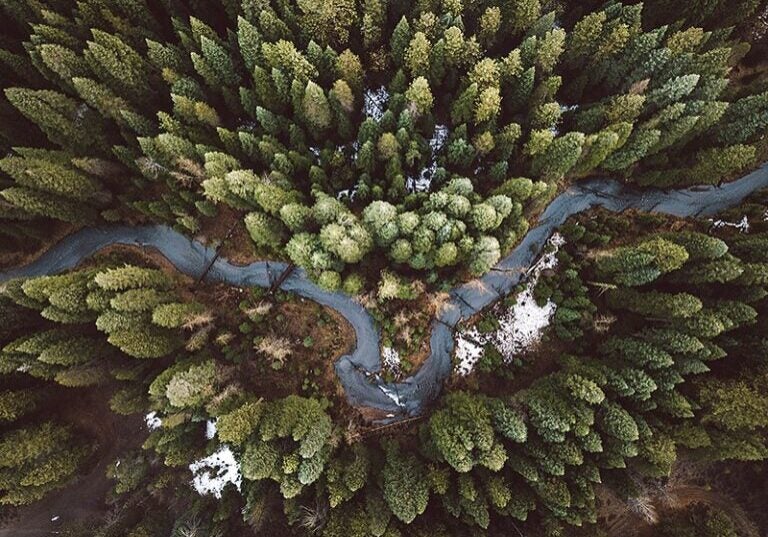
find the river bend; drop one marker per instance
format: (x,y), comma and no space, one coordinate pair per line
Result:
(359,372)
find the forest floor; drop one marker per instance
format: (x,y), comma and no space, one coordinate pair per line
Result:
(238,248)
(84,497)
(631,524)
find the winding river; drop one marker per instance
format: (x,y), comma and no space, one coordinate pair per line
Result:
(359,371)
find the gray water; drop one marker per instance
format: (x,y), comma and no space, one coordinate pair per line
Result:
(359,372)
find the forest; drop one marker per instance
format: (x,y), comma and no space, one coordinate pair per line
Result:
(260,268)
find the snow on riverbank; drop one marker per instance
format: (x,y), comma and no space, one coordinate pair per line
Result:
(469,349)
(742,225)
(520,326)
(390,359)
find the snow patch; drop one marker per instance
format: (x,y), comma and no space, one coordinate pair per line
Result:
(468,350)
(390,358)
(210,429)
(742,225)
(349,194)
(423,182)
(152,421)
(374,102)
(520,326)
(439,136)
(214,472)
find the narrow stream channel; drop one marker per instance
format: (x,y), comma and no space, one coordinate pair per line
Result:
(359,371)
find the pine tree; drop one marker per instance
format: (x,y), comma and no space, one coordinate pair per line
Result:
(463,434)
(17,403)
(522,15)
(655,304)
(560,156)
(37,459)
(235,427)
(264,230)
(404,486)
(420,96)
(328,22)
(192,387)
(643,263)
(316,108)
(64,121)
(131,277)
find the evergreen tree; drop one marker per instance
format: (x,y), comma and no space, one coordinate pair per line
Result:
(405,488)
(37,459)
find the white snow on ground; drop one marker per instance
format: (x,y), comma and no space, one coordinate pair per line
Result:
(390,359)
(742,225)
(520,326)
(349,194)
(423,182)
(214,472)
(210,429)
(439,136)
(374,102)
(152,421)
(468,350)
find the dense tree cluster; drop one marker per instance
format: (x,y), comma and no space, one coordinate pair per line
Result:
(134,307)
(37,459)
(685,300)
(347,129)
(400,138)
(626,404)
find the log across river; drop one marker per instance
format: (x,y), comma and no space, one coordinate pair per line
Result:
(359,372)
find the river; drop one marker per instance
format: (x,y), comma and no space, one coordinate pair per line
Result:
(359,372)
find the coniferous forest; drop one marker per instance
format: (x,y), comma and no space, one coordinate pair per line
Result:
(264,268)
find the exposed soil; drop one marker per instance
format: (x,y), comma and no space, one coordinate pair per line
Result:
(407,325)
(316,337)
(331,340)
(228,230)
(681,497)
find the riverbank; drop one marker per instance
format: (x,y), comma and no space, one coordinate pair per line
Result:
(359,371)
